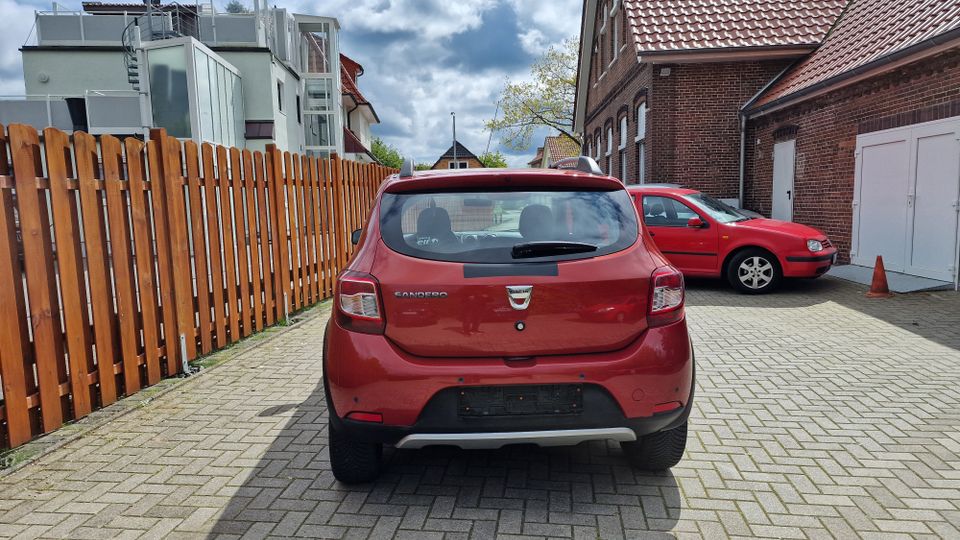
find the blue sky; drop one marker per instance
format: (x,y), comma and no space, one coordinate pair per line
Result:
(422,59)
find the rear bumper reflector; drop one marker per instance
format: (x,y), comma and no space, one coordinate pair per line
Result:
(359,416)
(666,407)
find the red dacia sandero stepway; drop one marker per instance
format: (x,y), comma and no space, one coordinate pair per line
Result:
(493,307)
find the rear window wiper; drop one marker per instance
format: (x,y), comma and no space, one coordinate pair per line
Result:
(543,249)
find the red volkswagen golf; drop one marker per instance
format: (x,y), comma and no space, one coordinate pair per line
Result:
(493,307)
(705,237)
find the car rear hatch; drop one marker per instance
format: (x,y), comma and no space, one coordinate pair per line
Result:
(511,268)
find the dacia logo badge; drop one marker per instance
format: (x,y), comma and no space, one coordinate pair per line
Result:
(519,296)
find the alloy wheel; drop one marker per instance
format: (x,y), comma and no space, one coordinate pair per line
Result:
(755,272)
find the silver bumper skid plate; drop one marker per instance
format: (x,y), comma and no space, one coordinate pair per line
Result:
(478,441)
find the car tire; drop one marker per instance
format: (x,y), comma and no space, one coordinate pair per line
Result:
(754,271)
(353,461)
(657,451)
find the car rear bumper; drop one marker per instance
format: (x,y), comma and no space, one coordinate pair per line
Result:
(418,397)
(809,264)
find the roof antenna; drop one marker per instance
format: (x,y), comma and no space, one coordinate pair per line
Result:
(406,170)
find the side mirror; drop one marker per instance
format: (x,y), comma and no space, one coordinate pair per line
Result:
(695,223)
(355,236)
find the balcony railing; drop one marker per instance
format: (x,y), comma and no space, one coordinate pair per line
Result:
(107,28)
(99,112)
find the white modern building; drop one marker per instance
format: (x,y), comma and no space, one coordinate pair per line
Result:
(245,79)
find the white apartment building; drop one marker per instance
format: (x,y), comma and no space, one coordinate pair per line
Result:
(245,79)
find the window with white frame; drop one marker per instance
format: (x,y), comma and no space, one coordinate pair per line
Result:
(642,121)
(615,38)
(623,165)
(596,147)
(641,162)
(623,133)
(609,140)
(642,143)
(280,96)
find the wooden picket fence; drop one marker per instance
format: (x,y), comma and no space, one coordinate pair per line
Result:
(120,260)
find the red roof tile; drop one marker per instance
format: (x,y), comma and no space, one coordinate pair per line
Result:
(867,31)
(561,147)
(679,25)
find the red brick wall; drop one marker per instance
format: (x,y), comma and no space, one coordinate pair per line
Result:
(694,126)
(826,135)
(693,132)
(622,86)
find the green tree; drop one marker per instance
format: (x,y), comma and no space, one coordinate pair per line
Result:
(546,100)
(493,160)
(235,6)
(422,167)
(386,154)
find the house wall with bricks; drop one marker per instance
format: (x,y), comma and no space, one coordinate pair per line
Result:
(826,130)
(615,91)
(694,122)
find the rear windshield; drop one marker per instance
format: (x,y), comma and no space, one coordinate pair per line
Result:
(508,226)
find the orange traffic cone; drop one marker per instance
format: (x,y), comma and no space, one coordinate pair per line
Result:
(879,288)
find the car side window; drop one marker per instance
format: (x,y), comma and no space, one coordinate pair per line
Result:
(666,212)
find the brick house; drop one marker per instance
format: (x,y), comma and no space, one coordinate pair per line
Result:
(862,138)
(554,149)
(461,159)
(661,82)
(790,107)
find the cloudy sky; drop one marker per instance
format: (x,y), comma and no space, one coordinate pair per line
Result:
(422,59)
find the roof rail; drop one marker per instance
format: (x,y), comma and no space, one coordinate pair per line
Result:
(580,163)
(406,170)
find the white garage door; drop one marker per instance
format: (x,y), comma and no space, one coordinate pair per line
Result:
(907,199)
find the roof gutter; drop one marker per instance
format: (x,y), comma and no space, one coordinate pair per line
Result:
(724,54)
(743,128)
(929,47)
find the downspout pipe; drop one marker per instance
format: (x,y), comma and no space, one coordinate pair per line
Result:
(743,156)
(742,113)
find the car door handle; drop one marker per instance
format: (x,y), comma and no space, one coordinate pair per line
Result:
(652,233)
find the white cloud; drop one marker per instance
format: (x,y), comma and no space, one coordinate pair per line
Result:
(17,24)
(429,19)
(412,75)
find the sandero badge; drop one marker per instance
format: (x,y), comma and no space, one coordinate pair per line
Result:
(420,294)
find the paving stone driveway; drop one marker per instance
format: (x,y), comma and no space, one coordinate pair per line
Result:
(819,414)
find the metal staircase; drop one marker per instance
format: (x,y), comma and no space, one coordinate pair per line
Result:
(156,23)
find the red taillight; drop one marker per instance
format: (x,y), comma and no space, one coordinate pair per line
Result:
(666,296)
(358,303)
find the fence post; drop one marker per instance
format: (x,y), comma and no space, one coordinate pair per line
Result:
(38,267)
(339,222)
(194,188)
(139,213)
(122,262)
(14,352)
(226,233)
(94,238)
(281,283)
(213,238)
(170,240)
(70,264)
(264,217)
